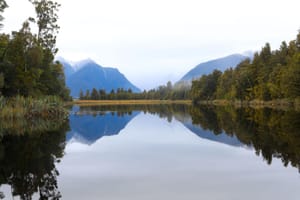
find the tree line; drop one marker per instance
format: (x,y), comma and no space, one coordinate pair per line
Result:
(163,92)
(27,66)
(270,75)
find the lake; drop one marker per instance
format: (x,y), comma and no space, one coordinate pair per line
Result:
(153,152)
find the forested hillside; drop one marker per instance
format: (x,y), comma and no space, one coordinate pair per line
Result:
(273,74)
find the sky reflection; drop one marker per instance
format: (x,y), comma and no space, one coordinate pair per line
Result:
(154,159)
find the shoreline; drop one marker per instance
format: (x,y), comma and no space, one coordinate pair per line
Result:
(282,104)
(128,102)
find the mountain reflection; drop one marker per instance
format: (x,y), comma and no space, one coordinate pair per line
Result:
(272,133)
(28,153)
(89,124)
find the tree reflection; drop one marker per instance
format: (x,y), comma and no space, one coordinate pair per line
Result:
(27,159)
(272,133)
(166,111)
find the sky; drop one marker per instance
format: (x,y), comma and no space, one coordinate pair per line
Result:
(153,41)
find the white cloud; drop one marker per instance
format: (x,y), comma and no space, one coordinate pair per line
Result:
(151,41)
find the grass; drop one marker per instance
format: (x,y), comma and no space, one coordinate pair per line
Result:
(30,108)
(128,102)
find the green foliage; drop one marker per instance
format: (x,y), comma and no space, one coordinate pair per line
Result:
(270,75)
(226,89)
(206,87)
(46,21)
(179,91)
(26,58)
(291,78)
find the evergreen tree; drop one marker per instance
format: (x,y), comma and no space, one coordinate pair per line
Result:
(94,94)
(81,95)
(26,58)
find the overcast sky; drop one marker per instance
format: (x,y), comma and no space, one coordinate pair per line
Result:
(154,41)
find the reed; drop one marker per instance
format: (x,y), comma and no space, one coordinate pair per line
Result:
(18,107)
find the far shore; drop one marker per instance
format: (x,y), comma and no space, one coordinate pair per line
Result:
(128,102)
(275,104)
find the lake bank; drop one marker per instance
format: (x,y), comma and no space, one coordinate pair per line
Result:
(29,108)
(282,104)
(128,102)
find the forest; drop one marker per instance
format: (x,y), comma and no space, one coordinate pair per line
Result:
(164,92)
(272,74)
(32,85)
(27,66)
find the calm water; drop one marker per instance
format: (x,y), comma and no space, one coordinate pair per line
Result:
(153,152)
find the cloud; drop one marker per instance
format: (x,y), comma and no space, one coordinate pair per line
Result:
(150,41)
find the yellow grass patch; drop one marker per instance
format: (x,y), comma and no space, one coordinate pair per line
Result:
(128,102)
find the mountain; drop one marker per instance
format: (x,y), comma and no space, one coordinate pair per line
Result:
(87,74)
(68,69)
(207,67)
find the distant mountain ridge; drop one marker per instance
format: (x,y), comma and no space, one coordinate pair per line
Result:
(208,67)
(87,74)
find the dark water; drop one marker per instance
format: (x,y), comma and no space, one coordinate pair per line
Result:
(153,152)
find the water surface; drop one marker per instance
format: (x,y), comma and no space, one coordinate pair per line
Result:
(163,152)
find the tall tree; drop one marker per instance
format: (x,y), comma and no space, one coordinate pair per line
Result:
(26,58)
(3,5)
(94,94)
(52,79)
(46,11)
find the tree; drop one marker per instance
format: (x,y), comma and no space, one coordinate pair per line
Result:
(46,11)
(226,86)
(291,78)
(94,94)
(81,95)
(26,58)
(169,86)
(87,94)
(205,88)
(3,5)
(111,95)
(21,77)
(102,93)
